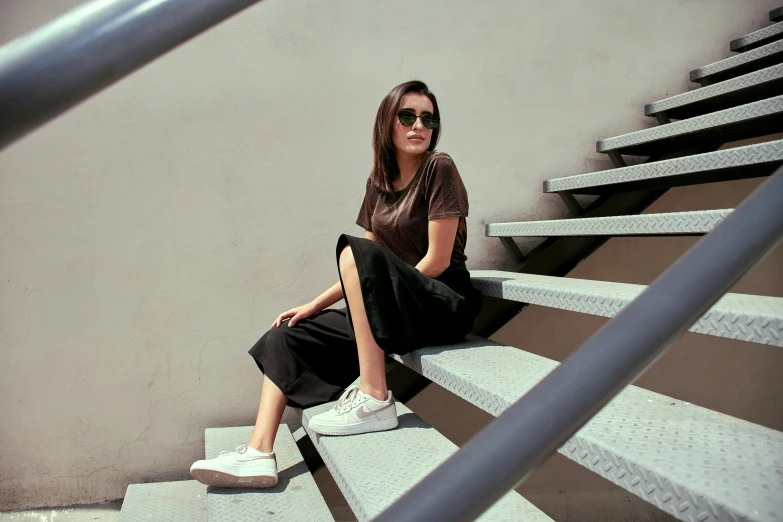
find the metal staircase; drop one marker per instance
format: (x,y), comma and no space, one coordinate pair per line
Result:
(723,165)
(375,471)
(691,462)
(751,318)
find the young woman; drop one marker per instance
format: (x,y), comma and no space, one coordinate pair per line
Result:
(405,285)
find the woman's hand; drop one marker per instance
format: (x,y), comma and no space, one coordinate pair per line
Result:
(296,314)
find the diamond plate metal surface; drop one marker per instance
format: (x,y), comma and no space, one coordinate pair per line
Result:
(768,152)
(295,498)
(733,86)
(735,61)
(694,463)
(743,113)
(699,222)
(752,318)
(179,501)
(770,31)
(375,469)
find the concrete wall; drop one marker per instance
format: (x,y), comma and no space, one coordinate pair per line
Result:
(149,236)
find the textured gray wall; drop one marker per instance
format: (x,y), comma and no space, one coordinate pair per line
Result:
(149,236)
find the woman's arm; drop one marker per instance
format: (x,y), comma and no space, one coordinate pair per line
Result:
(441,232)
(335,292)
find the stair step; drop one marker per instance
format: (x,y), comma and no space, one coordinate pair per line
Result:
(295,498)
(694,463)
(753,60)
(758,38)
(375,469)
(165,502)
(752,318)
(744,89)
(669,224)
(741,162)
(776,15)
(745,121)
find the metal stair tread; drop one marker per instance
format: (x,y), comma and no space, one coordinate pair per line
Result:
(165,502)
(776,14)
(751,318)
(692,462)
(375,469)
(694,222)
(770,152)
(295,498)
(636,142)
(726,65)
(682,105)
(751,40)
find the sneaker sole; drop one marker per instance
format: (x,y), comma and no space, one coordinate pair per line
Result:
(221,479)
(356,429)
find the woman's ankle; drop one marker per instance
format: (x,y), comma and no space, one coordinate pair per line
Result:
(379,394)
(261,446)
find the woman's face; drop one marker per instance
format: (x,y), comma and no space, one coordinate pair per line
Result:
(403,142)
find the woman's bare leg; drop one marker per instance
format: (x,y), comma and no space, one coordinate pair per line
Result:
(270,411)
(372,365)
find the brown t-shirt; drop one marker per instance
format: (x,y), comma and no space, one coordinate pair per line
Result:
(435,191)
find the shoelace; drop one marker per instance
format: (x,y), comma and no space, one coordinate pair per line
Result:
(346,400)
(240,449)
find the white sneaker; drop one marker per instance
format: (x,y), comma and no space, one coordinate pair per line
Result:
(244,468)
(356,412)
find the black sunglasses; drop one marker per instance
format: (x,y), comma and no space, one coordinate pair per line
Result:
(408,118)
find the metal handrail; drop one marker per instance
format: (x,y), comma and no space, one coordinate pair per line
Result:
(51,69)
(511,447)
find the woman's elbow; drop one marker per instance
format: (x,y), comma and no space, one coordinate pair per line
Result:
(442,265)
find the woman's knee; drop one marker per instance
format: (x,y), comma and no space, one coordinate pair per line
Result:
(273,339)
(347,261)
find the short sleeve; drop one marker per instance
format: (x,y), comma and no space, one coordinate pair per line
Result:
(446,194)
(365,212)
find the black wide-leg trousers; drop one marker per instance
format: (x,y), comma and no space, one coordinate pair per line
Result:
(316,359)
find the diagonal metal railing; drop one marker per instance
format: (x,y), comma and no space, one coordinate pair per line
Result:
(51,69)
(511,447)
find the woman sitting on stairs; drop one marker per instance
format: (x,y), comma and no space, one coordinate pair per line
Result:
(405,284)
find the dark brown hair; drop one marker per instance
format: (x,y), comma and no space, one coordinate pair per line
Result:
(385,168)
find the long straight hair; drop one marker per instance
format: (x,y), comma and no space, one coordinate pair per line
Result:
(385,168)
